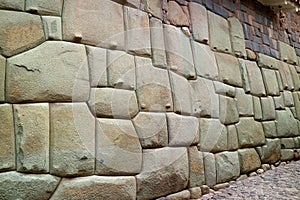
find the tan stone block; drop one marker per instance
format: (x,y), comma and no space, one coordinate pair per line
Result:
(249,160)
(268,108)
(195,192)
(199,22)
(255,79)
(196,167)
(2,78)
(244,103)
(227,166)
(237,37)
(287,53)
(52,27)
(154,7)
(228,110)
(210,169)
(270,81)
(176,15)
(45,7)
(12,5)
(183,195)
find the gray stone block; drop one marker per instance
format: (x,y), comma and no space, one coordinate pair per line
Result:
(245,79)
(270,129)
(279,79)
(266,61)
(296,96)
(224,89)
(257,108)
(2,78)
(287,143)
(210,169)
(237,37)
(286,76)
(287,53)
(295,77)
(52,27)
(257,87)
(279,102)
(244,103)
(196,167)
(183,195)
(249,160)
(286,124)
(45,7)
(270,81)
(268,108)
(270,152)
(12,5)
(228,110)
(227,166)
(286,154)
(288,98)
(232,138)
(199,22)
(154,7)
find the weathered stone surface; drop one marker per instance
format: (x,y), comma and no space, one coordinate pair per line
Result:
(219,33)
(199,22)
(270,129)
(131,3)
(32,137)
(176,15)
(12,5)
(251,55)
(96,187)
(229,70)
(296,96)
(237,37)
(54,71)
(181,90)
(232,138)
(195,192)
(244,72)
(270,81)
(255,79)
(121,70)
(45,7)
(286,123)
(286,154)
(244,103)
(2,78)
(153,87)
(118,149)
(257,108)
(295,77)
(266,61)
(179,52)
(196,167)
(268,108)
(137,31)
(151,129)
(210,169)
(287,53)
(19,32)
(14,185)
(228,110)
(227,166)
(213,135)
(7,138)
(286,76)
(279,102)
(52,27)
(208,106)
(288,98)
(270,152)
(97,61)
(279,79)
(183,130)
(287,143)
(250,133)
(113,103)
(297,142)
(154,7)
(249,160)
(183,195)
(159,57)
(224,89)
(72,140)
(169,166)
(108,32)
(205,61)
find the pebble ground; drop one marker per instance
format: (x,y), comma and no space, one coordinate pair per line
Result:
(282,183)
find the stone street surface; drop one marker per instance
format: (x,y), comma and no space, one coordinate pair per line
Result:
(280,183)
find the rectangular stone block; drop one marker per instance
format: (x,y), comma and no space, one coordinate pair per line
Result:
(7,138)
(270,152)
(287,143)
(199,22)
(227,166)
(196,167)
(237,37)
(2,78)
(270,129)
(295,77)
(244,72)
(288,98)
(286,76)
(268,108)
(229,113)
(244,103)
(296,97)
(279,102)
(286,154)
(52,27)
(224,89)
(72,140)
(232,138)
(270,81)
(267,62)
(257,108)
(137,31)
(12,5)
(279,79)
(32,137)
(286,124)
(154,7)
(287,53)
(249,160)
(210,169)
(45,7)
(257,87)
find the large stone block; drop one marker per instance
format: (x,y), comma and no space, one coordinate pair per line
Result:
(232,138)
(118,149)
(266,61)
(12,5)
(287,53)
(288,98)
(113,103)
(196,168)
(176,14)
(286,124)
(52,27)
(227,166)
(250,133)
(205,102)
(245,77)
(199,22)
(286,154)
(244,103)
(224,89)
(279,102)
(219,33)
(154,7)
(255,79)
(213,135)
(14,185)
(287,143)
(249,160)
(279,79)
(52,72)
(151,129)
(229,69)
(169,166)
(96,187)
(32,137)
(179,52)
(106,31)
(270,152)
(229,113)
(19,32)
(45,7)
(268,108)
(210,169)
(286,76)
(159,57)
(296,96)
(237,37)
(257,108)
(7,138)
(181,91)
(295,77)
(2,78)
(72,140)
(121,70)
(205,61)
(153,87)
(183,130)
(270,129)
(137,31)
(270,81)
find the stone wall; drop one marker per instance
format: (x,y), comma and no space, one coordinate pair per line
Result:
(131,99)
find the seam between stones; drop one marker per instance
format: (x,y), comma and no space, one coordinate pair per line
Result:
(50,141)
(58,184)
(15,135)
(96,143)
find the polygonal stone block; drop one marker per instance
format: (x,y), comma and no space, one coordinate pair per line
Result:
(268,108)
(270,152)
(244,103)
(2,78)
(227,166)
(249,160)
(72,140)
(279,79)
(12,5)
(286,154)
(270,129)
(224,89)
(286,123)
(118,149)
(210,169)
(183,130)
(286,76)
(266,61)
(287,53)
(296,96)
(228,110)
(154,7)
(295,77)
(287,143)
(270,81)
(237,37)
(257,108)
(32,137)
(232,138)
(176,14)
(288,98)
(45,7)
(153,87)
(137,31)
(196,167)
(279,102)
(52,27)
(255,79)
(244,72)
(199,22)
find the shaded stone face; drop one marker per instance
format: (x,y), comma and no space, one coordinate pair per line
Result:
(237,37)
(45,7)
(2,78)
(199,22)
(196,167)
(227,166)
(270,152)
(249,160)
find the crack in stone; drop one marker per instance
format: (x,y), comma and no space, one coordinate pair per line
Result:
(27,69)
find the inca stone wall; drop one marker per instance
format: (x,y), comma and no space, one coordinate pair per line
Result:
(131,99)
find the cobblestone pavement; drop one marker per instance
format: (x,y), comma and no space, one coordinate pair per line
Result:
(280,183)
